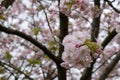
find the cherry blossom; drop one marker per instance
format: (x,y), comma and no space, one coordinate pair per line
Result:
(68,7)
(77,51)
(53,39)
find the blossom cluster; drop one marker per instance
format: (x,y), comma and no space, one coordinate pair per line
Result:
(70,7)
(77,51)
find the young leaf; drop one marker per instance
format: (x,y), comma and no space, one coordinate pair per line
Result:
(93,46)
(40,8)
(2,17)
(8,55)
(33,61)
(2,70)
(52,46)
(36,30)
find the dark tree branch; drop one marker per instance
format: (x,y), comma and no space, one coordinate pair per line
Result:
(95,23)
(63,32)
(109,38)
(63,28)
(32,40)
(110,67)
(110,3)
(87,74)
(7,3)
(11,73)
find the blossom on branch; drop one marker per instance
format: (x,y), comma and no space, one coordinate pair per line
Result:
(78,49)
(69,6)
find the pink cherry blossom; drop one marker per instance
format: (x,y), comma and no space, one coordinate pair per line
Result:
(74,50)
(65,65)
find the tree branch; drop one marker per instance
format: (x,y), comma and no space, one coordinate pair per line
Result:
(63,32)
(7,3)
(94,34)
(110,67)
(102,64)
(63,29)
(109,38)
(32,40)
(46,16)
(11,66)
(110,3)
(95,23)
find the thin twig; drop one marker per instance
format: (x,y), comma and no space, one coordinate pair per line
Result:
(110,3)
(48,21)
(11,66)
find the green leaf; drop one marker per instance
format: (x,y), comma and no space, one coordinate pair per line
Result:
(2,70)
(33,61)
(47,57)
(3,78)
(70,4)
(93,46)
(96,8)
(40,8)
(8,55)
(51,44)
(2,17)
(36,30)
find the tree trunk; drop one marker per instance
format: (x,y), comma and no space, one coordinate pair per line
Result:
(63,32)
(61,73)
